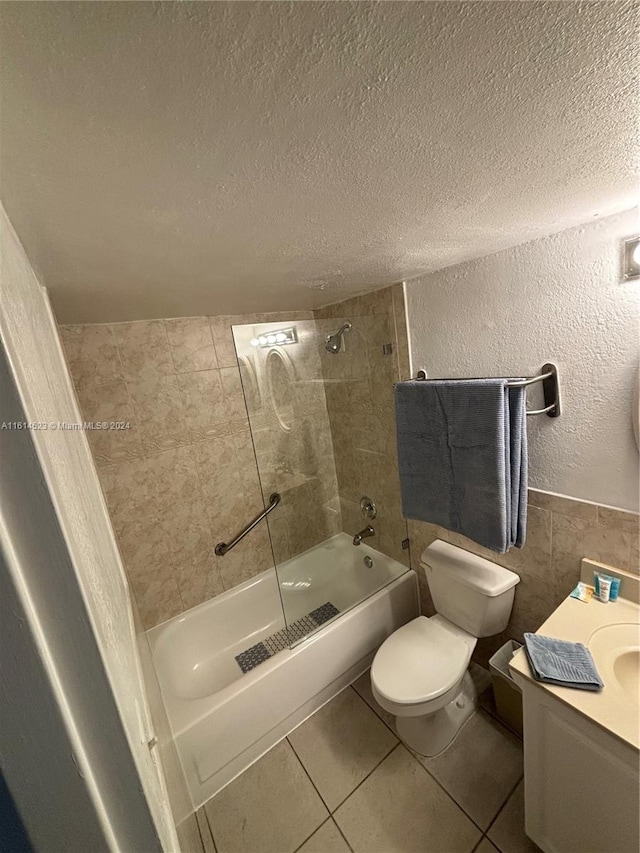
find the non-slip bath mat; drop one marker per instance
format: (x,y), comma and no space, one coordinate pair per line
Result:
(324,613)
(252,657)
(280,640)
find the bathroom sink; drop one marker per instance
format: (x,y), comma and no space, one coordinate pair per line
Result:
(616,652)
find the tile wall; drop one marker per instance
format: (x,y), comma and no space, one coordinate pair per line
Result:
(359,392)
(183,475)
(560,532)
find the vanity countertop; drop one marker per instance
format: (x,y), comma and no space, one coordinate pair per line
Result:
(616,707)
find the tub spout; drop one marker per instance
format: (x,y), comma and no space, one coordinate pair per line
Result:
(364,534)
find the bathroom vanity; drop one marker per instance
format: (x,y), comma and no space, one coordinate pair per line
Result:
(582,787)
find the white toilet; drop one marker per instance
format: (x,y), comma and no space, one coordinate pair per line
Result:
(419,673)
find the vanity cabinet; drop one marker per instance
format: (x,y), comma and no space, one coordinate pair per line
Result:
(582,789)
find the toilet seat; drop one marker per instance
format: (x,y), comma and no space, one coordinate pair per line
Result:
(422,662)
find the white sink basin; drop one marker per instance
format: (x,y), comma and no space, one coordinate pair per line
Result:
(616,652)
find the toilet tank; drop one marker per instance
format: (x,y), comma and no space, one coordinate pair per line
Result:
(473,593)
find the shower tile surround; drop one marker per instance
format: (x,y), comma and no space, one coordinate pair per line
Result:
(182,480)
(359,390)
(184,475)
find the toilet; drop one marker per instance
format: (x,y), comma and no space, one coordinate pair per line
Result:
(419,673)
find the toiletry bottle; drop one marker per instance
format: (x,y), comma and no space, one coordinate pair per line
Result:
(605,588)
(596,585)
(615,589)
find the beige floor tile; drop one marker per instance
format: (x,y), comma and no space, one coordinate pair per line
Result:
(363,687)
(480,768)
(327,839)
(486,846)
(340,744)
(507,833)
(401,808)
(271,808)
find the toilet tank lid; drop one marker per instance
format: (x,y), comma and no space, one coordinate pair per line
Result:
(469,569)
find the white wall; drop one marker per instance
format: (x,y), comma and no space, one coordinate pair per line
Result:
(559,299)
(46,394)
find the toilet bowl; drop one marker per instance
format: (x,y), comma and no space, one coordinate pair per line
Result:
(420,673)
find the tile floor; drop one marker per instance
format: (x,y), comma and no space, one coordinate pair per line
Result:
(343,783)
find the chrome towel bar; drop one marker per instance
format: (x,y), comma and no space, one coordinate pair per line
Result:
(222,547)
(550,387)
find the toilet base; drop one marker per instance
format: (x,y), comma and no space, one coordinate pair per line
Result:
(430,734)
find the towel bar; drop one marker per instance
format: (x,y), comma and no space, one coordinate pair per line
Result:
(550,387)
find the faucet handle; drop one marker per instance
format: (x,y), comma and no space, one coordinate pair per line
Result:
(368,508)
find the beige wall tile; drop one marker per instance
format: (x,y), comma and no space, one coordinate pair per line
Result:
(159,412)
(143,546)
(191,344)
(91,353)
(223,338)
(157,599)
(193,578)
(109,403)
(203,401)
(567,506)
(421,535)
(228,477)
(575,538)
(359,394)
(534,602)
(129,491)
(232,392)
(185,477)
(144,349)
(250,557)
(618,519)
(634,556)
(176,481)
(211,398)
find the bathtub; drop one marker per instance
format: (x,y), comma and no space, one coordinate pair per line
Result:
(223,719)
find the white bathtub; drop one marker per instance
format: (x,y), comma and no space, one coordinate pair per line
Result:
(224,720)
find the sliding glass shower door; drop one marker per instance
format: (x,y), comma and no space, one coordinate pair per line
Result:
(308,401)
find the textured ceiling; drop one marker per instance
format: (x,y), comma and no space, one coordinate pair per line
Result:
(166,159)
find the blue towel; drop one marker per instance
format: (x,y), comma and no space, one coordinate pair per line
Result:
(462,455)
(563,663)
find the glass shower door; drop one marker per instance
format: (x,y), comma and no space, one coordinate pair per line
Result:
(307,404)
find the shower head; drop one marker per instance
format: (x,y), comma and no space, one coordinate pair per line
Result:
(334,341)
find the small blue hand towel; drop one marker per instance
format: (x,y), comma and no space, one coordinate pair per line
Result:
(562,663)
(462,455)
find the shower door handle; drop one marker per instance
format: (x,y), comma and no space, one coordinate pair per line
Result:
(222,547)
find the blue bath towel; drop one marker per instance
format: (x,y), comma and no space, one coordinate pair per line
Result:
(563,663)
(462,455)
